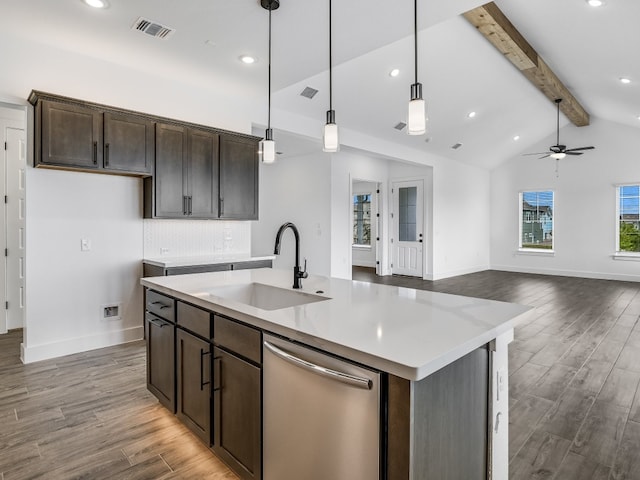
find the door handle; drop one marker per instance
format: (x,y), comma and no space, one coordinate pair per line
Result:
(202,382)
(343,377)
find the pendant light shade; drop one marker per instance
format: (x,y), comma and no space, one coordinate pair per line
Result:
(330,140)
(267,148)
(417,116)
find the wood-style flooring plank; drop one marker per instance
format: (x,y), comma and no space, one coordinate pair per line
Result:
(554,382)
(539,458)
(620,387)
(565,417)
(581,468)
(592,376)
(524,414)
(627,463)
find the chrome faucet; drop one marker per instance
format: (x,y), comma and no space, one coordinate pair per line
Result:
(298,273)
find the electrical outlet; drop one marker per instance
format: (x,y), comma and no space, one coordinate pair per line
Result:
(164,251)
(85,245)
(110,312)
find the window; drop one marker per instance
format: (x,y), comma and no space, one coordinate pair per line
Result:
(362,219)
(628,235)
(536,224)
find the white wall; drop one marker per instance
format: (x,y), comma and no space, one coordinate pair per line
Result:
(585,209)
(66,288)
(296,190)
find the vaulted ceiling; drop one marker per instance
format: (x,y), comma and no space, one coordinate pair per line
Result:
(588,48)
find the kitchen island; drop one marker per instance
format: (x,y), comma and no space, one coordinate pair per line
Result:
(441,360)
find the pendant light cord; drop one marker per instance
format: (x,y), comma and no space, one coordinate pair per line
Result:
(415,38)
(330,64)
(269,112)
(558,123)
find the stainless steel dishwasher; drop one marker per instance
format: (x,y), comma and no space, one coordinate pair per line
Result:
(321,415)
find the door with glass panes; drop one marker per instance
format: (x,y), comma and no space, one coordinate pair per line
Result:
(408,219)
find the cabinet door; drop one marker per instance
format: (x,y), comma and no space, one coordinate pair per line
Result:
(171,149)
(203,174)
(161,360)
(238,178)
(71,135)
(193,360)
(128,143)
(237,414)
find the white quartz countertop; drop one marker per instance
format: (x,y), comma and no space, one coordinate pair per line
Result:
(190,261)
(406,332)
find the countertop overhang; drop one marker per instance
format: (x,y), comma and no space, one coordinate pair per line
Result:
(408,333)
(190,261)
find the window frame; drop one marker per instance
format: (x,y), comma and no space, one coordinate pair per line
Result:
(537,251)
(363,246)
(620,253)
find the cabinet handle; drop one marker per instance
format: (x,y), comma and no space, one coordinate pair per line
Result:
(190,204)
(162,305)
(95,153)
(158,323)
(221,206)
(184,204)
(106,155)
(217,374)
(202,382)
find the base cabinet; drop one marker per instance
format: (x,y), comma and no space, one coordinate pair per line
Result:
(193,386)
(237,414)
(161,360)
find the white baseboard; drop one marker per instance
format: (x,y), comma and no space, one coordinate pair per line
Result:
(569,273)
(455,273)
(36,353)
(364,263)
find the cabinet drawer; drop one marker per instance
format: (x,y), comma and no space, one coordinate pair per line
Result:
(252,264)
(161,305)
(195,320)
(238,338)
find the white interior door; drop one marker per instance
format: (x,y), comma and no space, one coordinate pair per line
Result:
(408,230)
(15,166)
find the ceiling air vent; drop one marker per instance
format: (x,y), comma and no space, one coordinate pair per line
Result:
(308,92)
(400,125)
(456,146)
(152,28)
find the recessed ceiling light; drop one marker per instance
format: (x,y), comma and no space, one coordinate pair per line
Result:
(471,114)
(625,80)
(394,73)
(595,3)
(247,59)
(516,138)
(97,3)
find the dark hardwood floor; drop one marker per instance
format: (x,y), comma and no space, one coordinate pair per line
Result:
(574,371)
(574,375)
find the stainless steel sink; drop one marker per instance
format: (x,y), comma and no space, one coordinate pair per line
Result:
(264,297)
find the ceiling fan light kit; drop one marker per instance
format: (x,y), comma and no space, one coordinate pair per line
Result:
(558,151)
(267,148)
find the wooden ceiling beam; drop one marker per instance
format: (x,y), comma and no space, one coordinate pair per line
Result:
(494,25)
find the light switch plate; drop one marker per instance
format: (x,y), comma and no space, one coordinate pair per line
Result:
(85,245)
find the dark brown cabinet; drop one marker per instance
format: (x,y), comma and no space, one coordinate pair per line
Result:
(237,414)
(71,134)
(193,389)
(161,360)
(128,143)
(185,181)
(238,178)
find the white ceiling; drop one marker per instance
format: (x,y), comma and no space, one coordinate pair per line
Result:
(589,49)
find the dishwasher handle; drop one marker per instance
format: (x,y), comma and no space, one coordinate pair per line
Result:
(364,383)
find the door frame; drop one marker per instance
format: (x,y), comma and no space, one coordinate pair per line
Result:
(427,214)
(16,117)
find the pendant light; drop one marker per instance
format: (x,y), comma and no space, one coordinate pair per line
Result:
(416,119)
(330,140)
(268,146)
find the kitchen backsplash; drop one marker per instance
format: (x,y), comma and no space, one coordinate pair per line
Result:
(180,238)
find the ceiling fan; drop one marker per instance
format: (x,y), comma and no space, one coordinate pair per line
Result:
(558,151)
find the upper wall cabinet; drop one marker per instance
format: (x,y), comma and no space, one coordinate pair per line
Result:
(76,135)
(202,174)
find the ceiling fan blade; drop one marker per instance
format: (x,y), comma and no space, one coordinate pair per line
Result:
(545,156)
(539,153)
(573,153)
(580,148)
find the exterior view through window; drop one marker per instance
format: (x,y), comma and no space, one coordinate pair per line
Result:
(362,219)
(628,237)
(536,210)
